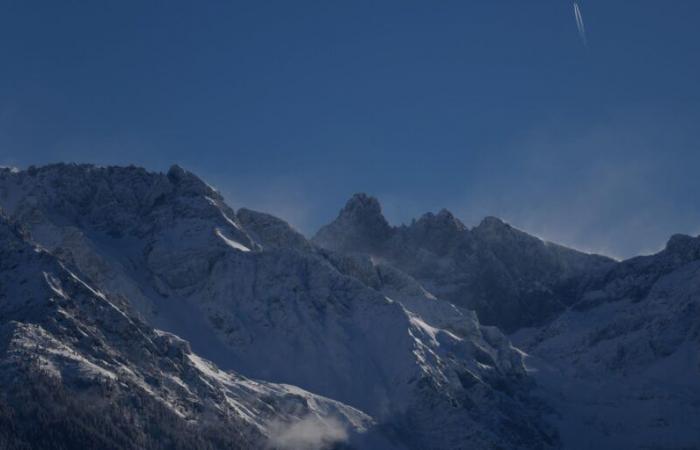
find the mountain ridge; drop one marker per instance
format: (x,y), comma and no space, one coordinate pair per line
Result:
(492,268)
(61,339)
(370,341)
(244,288)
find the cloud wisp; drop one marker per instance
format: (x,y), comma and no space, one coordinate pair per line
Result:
(309,433)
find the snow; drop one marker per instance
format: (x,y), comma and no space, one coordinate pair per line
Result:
(377,325)
(623,372)
(217,205)
(208,369)
(84,342)
(231,243)
(55,285)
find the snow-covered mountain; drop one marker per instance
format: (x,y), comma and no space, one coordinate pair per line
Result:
(622,366)
(511,279)
(119,285)
(78,371)
(614,348)
(254,296)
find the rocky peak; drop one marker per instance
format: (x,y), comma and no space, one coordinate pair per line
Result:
(491,223)
(107,197)
(360,226)
(495,231)
(189,183)
(439,233)
(364,209)
(683,246)
(444,220)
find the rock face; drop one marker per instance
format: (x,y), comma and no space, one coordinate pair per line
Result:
(360,226)
(511,279)
(254,296)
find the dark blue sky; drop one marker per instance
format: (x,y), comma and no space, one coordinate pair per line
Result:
(482,106)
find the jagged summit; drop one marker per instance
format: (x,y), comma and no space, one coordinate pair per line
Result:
(360,225)
(684,246)
(365,211)
(492,223)
(176,171)
(444,218)
(362,203)
(512,279)
(189,183)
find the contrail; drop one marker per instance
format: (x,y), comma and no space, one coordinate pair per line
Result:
(579,23)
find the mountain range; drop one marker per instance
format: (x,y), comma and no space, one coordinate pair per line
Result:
(139,310)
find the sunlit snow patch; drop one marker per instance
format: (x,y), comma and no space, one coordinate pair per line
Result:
(215,204)
(231,243)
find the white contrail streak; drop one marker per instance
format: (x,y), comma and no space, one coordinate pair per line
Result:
(579,23)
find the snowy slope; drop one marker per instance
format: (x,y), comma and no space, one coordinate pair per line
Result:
(379,319)
(622,366)
(68,346)
(613,347)
(252,295)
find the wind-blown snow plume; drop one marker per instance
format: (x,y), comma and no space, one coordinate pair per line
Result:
(309,433)
(579,23)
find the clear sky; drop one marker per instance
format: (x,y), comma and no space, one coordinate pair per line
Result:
(486,107)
